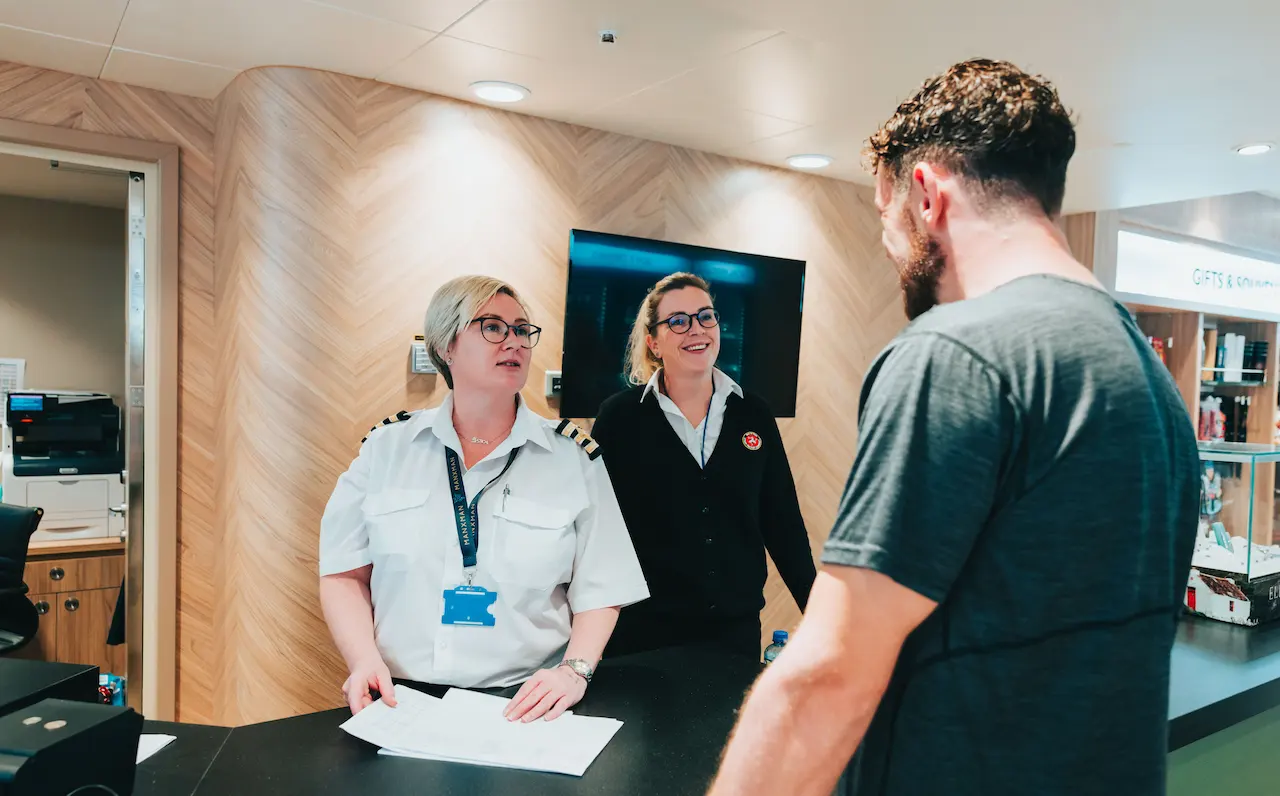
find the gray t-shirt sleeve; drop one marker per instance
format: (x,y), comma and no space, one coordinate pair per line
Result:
(935,432)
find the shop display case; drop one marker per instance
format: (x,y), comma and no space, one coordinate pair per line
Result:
(1235,572)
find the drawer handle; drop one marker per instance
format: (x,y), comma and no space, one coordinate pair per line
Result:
(72,604)
(57,573)
(42,607)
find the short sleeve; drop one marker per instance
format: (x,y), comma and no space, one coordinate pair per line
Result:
(606,571)
(344,541)
(934,433)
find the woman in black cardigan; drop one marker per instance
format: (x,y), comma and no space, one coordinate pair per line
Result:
(703,482)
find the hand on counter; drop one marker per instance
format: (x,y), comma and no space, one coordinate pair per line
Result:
(366,677)
(548,693)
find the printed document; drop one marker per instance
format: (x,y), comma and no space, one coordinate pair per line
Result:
(467,727)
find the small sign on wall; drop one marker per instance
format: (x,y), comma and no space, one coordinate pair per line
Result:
(419,360)
(1170,273)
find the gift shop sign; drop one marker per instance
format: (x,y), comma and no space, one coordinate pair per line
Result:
(1196,276)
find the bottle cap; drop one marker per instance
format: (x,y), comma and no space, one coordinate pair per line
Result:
(780,637)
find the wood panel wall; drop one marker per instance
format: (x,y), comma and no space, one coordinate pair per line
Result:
(60,100)
(342,204)
(339,205)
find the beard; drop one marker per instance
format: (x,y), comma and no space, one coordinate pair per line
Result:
(920,273)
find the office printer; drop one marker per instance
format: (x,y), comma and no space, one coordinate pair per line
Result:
(62,451)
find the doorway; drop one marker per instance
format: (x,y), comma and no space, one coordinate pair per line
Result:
(139,180)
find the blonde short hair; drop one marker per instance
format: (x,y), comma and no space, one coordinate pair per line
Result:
(452,309)
(640,364)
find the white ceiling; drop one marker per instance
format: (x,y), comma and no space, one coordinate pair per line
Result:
(34,179)
(1163,88)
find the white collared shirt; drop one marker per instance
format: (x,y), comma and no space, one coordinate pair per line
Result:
(721,387)
(552,542)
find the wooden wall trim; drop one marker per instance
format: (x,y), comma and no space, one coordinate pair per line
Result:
(44,135)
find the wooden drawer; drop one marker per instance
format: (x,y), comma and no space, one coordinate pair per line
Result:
(84,620)
(74,628)
(55,575)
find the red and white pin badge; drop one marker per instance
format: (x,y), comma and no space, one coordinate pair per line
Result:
(751,441)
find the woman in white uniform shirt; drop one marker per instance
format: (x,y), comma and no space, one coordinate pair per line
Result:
(408,584)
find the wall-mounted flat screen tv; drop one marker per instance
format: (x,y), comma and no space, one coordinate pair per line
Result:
(760,300)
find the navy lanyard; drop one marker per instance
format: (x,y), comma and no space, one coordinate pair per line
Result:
(465,513)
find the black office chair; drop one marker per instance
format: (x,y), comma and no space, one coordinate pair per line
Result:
(18,618)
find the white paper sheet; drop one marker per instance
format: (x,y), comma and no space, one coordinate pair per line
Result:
(466,727)
(150,744)
(12,375)
(381,725)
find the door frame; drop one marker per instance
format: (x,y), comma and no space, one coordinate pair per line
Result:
(151,561)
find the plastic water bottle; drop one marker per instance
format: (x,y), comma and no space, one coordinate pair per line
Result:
(779,641)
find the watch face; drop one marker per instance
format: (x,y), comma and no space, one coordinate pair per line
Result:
(581,668)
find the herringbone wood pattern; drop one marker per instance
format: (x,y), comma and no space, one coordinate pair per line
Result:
(54,98)
(341,204)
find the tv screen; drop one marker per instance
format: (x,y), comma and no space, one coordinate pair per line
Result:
(760,300)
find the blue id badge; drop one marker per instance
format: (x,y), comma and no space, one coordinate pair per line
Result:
(469,605)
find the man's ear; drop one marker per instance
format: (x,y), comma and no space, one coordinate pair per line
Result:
(929,195)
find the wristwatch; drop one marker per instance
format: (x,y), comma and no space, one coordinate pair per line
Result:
(580,668)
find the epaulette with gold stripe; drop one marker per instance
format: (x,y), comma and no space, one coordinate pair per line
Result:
(567,428)
(398,417)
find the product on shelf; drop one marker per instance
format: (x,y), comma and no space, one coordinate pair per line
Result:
(1161,347)
(1232,358)
(1213,423)
(1210,355)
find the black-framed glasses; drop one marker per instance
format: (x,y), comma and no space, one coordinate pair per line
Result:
(496,330)
(682,322)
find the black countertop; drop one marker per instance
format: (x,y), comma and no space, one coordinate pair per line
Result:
(678,707)
(179,767)
(1221,675)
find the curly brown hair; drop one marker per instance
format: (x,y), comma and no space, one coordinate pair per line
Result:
(1005,131)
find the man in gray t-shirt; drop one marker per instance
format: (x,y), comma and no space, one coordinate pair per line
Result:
(1008,562)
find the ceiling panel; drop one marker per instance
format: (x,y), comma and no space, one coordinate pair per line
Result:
(656,39)
(785,76)
(664,113)
(241,34)
(51,52)
(841,141)
(87,20)
(448,66)
(167,74)
(426,14)
(1162,89)
(1110,177)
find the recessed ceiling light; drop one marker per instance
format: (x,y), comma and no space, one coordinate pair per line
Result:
(1253,149)
(498,91)
(808,161)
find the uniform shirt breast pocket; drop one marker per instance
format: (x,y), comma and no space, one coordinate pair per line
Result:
(396,522)
(534,542)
